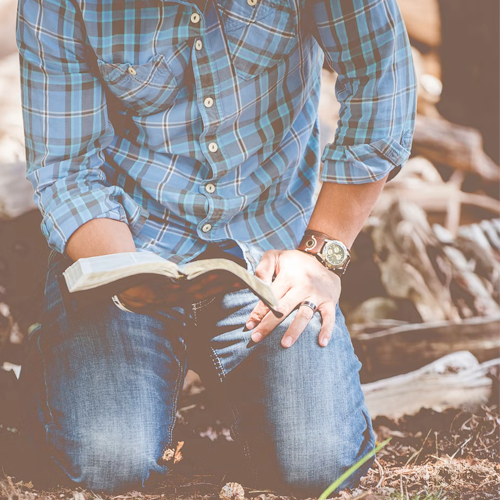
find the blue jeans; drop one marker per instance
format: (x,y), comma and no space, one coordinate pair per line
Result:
(101,389)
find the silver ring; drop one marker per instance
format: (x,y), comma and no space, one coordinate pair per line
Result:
(309,304)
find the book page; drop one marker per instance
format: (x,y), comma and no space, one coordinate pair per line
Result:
(93,272)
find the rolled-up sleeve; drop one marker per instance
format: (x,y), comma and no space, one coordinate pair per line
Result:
(66,124)
(366,43)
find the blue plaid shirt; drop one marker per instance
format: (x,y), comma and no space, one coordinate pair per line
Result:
(198,122)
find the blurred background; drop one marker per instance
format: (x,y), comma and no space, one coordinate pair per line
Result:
(421,297)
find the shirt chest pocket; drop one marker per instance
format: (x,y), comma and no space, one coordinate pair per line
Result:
(144,88)
(259,33)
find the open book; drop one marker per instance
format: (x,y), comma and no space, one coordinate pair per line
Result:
(108,275)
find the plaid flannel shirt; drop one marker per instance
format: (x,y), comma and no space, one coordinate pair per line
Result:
(197,122)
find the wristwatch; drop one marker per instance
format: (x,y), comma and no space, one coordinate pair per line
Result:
(333,254)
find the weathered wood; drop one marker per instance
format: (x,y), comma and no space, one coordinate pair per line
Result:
(407,253)
(439,199)
(404,348)
(420,183)
(415,265)
(450,144)
(454,381)
(475,246)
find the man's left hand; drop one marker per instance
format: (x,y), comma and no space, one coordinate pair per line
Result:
(299,277)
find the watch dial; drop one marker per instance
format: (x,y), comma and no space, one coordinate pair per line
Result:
(334,254)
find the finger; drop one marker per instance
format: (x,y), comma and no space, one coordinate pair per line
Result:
(327,324)
(266,266)
(280,287)
(265,271)
(299,323)
(270,321)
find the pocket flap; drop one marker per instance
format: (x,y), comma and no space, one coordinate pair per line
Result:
(146,88)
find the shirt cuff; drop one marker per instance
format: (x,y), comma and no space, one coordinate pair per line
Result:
(59,224)
(363,163)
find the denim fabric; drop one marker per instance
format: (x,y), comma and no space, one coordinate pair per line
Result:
(102,388)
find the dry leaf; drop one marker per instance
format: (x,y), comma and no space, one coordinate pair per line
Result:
(232,491)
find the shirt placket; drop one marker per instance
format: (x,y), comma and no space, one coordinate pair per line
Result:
(204,73)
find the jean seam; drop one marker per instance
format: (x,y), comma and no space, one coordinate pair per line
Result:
(45,385)
(218,365)
(234,409)
(202,303)
(195,316)
(196,306)
(52,254)
(51,423)
(173,413)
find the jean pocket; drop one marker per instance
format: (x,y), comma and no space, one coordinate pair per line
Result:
(144,88)
(259,33)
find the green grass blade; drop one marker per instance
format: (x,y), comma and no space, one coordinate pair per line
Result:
(351,470)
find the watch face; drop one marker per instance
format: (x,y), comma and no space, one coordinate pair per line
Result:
(334,254)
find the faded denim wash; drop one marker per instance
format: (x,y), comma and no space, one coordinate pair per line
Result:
(102,388)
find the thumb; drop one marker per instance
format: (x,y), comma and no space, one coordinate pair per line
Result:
(266,267)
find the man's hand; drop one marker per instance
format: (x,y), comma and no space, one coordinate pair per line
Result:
(298,277)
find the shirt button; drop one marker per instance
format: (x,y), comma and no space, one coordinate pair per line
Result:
(252,2)
(212,147)
(198,45)
(209,102)
(206,228)
(210,188)
(195,18)
(132,71)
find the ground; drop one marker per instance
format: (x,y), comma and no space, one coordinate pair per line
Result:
(433,455)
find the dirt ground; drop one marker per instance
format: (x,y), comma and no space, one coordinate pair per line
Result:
(433,455)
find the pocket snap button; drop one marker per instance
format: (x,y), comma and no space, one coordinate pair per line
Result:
(132,71)
(212,147)
(195,18)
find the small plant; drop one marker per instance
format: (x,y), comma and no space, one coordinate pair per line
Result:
(351,471)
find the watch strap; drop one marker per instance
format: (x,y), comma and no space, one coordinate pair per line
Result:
(314,241)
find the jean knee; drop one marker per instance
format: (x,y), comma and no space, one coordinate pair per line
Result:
(310,465)
(315,471)
(109,462)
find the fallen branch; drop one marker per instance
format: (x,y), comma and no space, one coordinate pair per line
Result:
(404,348)
(450,144)
(450,382)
